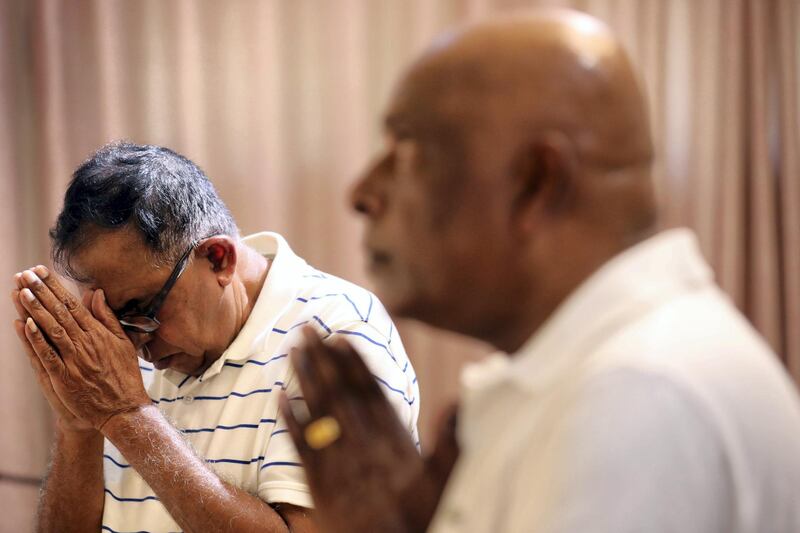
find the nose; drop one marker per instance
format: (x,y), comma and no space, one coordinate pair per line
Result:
(366,196)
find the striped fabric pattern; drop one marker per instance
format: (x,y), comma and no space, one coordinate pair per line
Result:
(230,413)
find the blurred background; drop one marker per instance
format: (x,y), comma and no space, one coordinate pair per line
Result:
(280,102)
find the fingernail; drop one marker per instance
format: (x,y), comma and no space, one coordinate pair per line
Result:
(102,295)
(31,325)
(41,271)
(28,295)
(29,276)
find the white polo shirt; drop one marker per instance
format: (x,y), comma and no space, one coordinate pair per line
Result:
(646,403)
(230,413)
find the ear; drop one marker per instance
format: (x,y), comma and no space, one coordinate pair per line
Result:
(220,253)
(545,172)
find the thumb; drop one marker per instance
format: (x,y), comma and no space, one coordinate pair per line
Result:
(86,299)
(103,313)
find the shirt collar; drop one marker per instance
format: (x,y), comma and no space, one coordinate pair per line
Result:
(625,287)
(279,290)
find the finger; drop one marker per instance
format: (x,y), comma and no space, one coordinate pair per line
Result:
(353,370)
(364,406)
(19,329)
(360,407)
(51,303)
(312,389)
(323,358)
(86,299)
(18,283)
(41,374)
(42,377)
(42,318)
(79,313)
(295,428)
(358,387)
(318,359)
(103,313)
(49,358)
(21,311)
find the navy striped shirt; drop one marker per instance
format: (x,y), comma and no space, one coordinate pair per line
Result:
(230,413)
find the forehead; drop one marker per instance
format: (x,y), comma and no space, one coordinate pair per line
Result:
(118,262)
(442,104)
(424,98)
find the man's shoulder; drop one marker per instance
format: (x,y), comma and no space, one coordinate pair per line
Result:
(694,364)
(698,343)
(338,300)
(688,335)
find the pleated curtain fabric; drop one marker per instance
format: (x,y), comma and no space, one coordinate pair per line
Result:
(280,102)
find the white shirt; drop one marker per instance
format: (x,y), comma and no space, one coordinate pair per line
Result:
(230,413)
(646,403)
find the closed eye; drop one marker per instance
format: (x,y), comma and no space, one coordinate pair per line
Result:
(130,307)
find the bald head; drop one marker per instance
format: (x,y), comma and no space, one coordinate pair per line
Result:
(517,162)
(548,70)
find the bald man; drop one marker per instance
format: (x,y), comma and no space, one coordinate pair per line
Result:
(514,204)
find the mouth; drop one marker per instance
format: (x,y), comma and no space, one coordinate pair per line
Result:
(161,363)
(164,362)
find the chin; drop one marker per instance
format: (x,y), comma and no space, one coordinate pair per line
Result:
(401,303)
(394,299)
(393,290)
(188,365)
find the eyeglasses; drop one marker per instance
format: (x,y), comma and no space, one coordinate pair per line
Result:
(145,321)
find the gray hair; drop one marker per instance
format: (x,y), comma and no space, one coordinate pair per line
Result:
(160,194)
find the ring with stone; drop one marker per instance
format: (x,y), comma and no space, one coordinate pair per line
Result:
(322,432)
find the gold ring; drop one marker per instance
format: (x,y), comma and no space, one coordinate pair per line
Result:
(322,432)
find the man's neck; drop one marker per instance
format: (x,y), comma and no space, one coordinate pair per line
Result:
(553,284)
(252,269)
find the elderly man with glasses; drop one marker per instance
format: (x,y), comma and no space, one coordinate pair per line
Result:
(191,438)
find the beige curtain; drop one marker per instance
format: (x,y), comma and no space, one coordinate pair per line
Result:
(279,101)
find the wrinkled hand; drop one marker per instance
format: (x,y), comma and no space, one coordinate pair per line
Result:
(65,418)
(90,363)
(371,478)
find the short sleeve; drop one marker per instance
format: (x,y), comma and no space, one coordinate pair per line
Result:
(281,478)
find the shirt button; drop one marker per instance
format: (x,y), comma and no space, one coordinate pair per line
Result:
(188,399)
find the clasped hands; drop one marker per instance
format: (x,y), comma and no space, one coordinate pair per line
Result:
(85,364)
